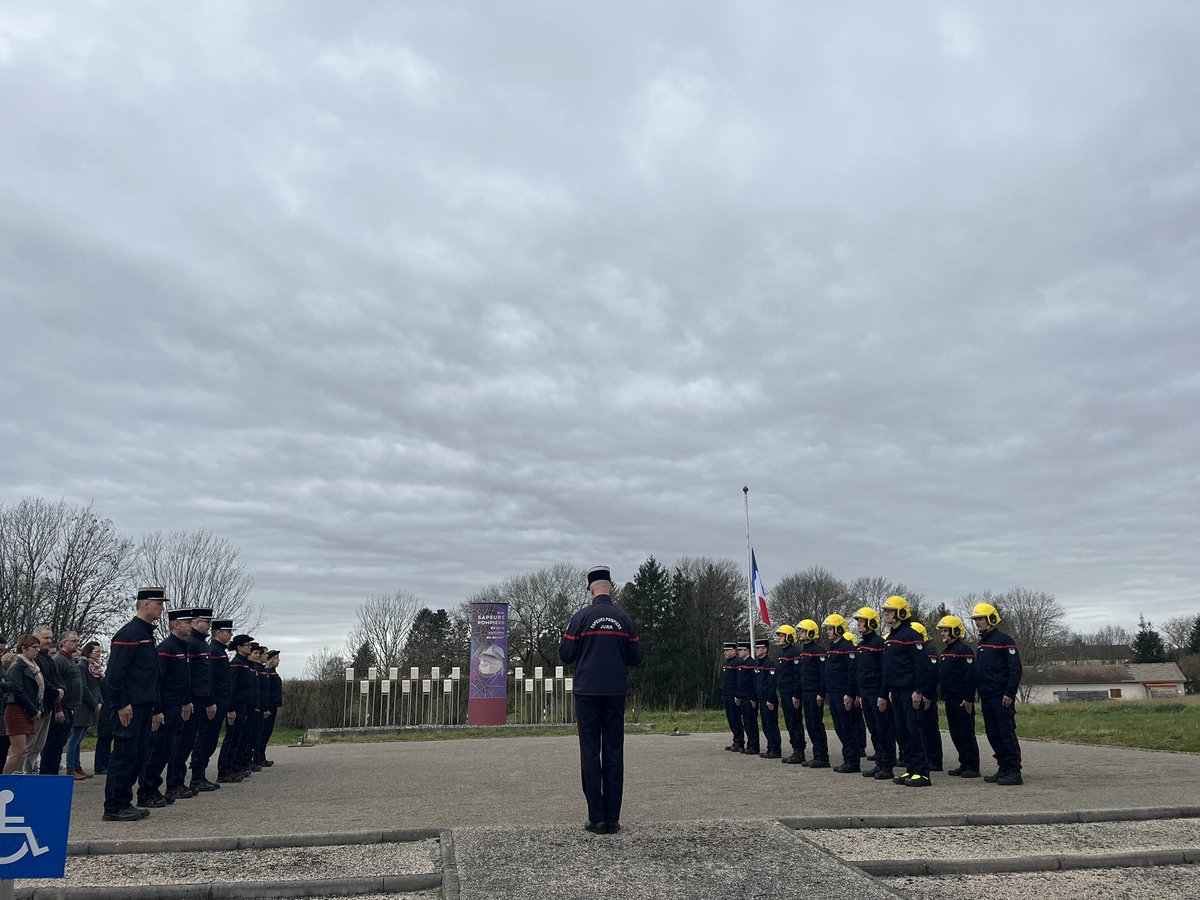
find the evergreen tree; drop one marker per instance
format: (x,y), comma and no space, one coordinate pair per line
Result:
(1193,645)
(1148,646)
(364,658)
(649,601)
(431,642)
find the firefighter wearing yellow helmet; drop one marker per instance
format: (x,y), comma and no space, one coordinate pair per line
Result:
(957,674)
(997,677)
(812,691)
(870,692)
(928,714)
(841,685)
(785,667)
(733,716)
(908,680)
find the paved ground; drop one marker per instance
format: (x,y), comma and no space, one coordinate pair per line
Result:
(535,781)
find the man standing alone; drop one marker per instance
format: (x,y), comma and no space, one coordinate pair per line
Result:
(603,643)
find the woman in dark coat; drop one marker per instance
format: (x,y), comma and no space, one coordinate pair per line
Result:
(86,712)
(25,707)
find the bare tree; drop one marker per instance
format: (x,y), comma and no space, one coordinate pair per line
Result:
(811,594)
(199,568)
(63,566)
(325,665)
(1032,618)
(539,606)
(713,599)
(383,623)
(1176,634)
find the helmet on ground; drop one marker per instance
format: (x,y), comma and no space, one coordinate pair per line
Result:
(869,616)
(787,634)
(920,629)
(953,624)
(899,605)
(836,622)
(986,611)
(809,629)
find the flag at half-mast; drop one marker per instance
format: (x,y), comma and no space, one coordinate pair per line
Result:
(759,592)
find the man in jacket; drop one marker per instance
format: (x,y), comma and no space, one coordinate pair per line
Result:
(841,689)
(51,703)
(70,680)
(733,716)
(274,702)
(767,693)
(957,671)
(237,720)
(744,697)
(209,732)
(998,675)
(204,709)
(602,641)
(132,678)
(176,708)
(786,675)
(908,680)
(811,666)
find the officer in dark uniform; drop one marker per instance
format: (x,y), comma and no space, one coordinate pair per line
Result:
(132,679)
(175,695)
(907,679)
(841,687)
(602,641)
(237,719)
(767,693)
(733,716)
(998,675)
(957,675)
(204,709)
(274,701)
(785,667)
(811,666)
(870,689)
(210,729)
(745,697)
(928,714)
(258,713)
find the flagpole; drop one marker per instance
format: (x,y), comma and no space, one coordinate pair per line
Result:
(749,568)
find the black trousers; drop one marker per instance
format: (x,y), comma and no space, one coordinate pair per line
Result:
(962,734)
(602,754)
(207,736)
(267,730)
(848,725)
(770,725)
(793,721)
(883,733)
(931,728)
(749,713)
(131,749)
(252,738)
(177,764)
(814,721)
(733,717)
(1000,725)
(163,745)
(909,733)
(230,760)
(56,740)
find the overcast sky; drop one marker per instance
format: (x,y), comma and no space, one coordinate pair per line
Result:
(422,296)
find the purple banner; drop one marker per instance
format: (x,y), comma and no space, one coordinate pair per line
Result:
(487,702)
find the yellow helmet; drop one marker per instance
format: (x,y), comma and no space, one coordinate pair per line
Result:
(920,629)
(986,611)
(836,622)
(869,616)
(900,605)
(787,634)
(809,629)
(953,624)
(851,638)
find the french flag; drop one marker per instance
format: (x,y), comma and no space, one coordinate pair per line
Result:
(759,592)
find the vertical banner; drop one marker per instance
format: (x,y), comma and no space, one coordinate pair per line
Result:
(487,702)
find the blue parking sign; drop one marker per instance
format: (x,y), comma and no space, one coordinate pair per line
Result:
(35,815)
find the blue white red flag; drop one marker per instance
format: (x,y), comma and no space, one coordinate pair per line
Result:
(759,592)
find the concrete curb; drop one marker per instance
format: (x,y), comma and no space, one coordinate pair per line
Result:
(871,876)
(1065,817)
(258,842)
(895,867)
(309,887)
(451,886)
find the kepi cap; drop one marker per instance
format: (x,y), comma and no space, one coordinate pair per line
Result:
(239,639)
(185,615)
(218,624)
(599,573)
(151,593)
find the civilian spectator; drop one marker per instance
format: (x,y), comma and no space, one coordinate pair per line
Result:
(87,712)
(25,710)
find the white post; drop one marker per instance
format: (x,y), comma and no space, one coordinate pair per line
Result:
(749,568)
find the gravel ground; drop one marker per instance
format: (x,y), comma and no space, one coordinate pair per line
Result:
(1176,882)
(283,864)
(988,841)
(423,895)
(682,860)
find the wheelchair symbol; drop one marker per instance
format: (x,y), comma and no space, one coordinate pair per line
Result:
(16,825)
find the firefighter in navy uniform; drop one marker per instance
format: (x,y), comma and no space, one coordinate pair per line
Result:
(210,729)
(204,709)
(274,702)
(767,693)
(251,760)
(811,669)
(957,675)
(175,698)
(841,687)
(906,678)
(745,699)
(870,689)
(602,641)
(237,719)
(132,679)
(729,673)
(789,702)
(997,677)
(928,714)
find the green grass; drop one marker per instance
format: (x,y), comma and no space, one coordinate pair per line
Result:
(1145,724)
